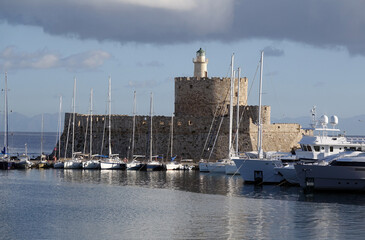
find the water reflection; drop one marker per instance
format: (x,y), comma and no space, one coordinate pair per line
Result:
(169,205)
(194,181)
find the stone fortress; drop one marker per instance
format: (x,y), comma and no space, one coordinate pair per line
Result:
(200,125)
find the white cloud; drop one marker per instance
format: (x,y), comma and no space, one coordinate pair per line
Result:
(10,58)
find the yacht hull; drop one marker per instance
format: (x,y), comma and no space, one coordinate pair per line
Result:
(289,174)
(259,171)
(327,177)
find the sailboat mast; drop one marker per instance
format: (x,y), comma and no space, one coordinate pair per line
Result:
(259,134)
(6,137)
(231,109)
(134,124)
(59,129)
(151,111)
(91,122)
(172,134)
(238,108)
(42,138)
(73,119)
(110,110)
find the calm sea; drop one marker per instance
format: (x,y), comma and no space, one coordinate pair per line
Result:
(82,204)
(33,140)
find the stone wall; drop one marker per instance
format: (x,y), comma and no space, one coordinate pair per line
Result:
(191,133)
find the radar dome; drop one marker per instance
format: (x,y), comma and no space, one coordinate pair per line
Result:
(334,120)
(324,120)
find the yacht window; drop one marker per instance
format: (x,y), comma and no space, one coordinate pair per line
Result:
(309,148)
(322,148)
(316,148)
(331,149)
(305,148)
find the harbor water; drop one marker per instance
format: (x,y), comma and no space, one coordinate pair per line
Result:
(106,204)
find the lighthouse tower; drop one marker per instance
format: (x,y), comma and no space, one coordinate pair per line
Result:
(200,64)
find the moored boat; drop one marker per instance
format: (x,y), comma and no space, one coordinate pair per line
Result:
(345,173)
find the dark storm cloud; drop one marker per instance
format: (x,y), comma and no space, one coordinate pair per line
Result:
(323,23)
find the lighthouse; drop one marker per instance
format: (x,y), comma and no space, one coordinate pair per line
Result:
(200,64)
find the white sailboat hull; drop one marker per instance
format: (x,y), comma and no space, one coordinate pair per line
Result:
(92,164)
(72,165)
(112,165)
(217,167)
(58,165)
(174,166)
(203,167)
(231,169)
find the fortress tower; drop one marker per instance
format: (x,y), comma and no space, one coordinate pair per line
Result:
(202,96)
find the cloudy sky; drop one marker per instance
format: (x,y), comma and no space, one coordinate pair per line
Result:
(314,52)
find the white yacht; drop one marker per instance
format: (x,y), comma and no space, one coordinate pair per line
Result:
(345,172)
(324,142)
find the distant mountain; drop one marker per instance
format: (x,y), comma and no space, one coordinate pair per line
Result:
(18,122)
(350,126)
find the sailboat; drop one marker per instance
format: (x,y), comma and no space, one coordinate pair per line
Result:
(220,165)
(259,169)
(112,161)
(134,164)
(5,158)
(58,164)
(75,162)
(24,160)
(231,168)
(172,165)
(92,163)
(153,165)
(43,163)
